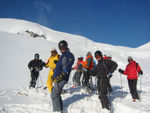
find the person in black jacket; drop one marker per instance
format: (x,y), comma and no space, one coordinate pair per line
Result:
(103,70)
(35,66)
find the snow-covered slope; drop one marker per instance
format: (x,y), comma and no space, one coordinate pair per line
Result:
(17,49)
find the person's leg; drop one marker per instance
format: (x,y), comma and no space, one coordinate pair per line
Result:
(78,76)
(130,84)
(56,96)
(83,79)
(109,86)
(50,81)
(87,77)
(75,79)
(33,79)
(135,93)
(103,83)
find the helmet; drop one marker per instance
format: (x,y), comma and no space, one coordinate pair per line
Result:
(98,54)
(63,44)
(129,58)
(53,49)
(80,58)
(37,56)
(88,53)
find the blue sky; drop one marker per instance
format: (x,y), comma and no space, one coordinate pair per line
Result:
(117,22)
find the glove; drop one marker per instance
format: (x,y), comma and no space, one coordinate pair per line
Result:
(31,69)
(58,78)
(109,75)
(121,71)
(141,72)
(55,61)
(44,64)
(64,73)
(36,69)
(85,69)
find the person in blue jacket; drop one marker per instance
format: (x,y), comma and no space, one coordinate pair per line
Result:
(61,75)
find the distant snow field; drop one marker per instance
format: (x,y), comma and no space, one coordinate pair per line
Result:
(17,48)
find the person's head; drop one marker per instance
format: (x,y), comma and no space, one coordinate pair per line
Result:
(88,53)
(130,59)
(109,57)
(80,58)
(63,46)
(98,55)
(36,56)
(53,52)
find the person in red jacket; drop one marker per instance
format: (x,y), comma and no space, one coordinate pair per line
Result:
(105,57)
(132,71)
(79,70)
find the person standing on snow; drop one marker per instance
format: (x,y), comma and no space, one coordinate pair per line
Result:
(61,75)
(132,70)
(103,70)
(79,70)
(88,66)
(35,66)
(51,63)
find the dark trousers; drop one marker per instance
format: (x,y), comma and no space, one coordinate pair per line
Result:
(85,79)
(102,89)
(34,76)
(109,86)
(132,86)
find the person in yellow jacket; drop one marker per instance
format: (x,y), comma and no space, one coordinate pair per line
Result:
(51,63)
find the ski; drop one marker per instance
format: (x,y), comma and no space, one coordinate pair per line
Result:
(22,94)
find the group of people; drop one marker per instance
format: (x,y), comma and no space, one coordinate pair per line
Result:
(61,66)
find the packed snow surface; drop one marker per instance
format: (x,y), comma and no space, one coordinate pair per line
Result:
(17,48)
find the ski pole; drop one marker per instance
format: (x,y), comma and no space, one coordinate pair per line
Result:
(140,97)
(41,81)
(37,83)
(121,84)
(110,100)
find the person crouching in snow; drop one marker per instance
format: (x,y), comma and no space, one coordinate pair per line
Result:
(35,66)
(79,70)
(132,70)
(61,75)
(51,63)
(103,70)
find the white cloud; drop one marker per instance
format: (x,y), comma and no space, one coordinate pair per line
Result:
(42,6)
(44,12)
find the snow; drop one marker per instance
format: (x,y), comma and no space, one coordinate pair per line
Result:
(16,50)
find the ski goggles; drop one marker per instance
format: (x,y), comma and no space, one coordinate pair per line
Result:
(97,56)
(36,56)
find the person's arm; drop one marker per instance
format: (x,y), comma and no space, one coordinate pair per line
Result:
(113,66)
(139,69)
(67,63)
(41,64)
(30,64)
